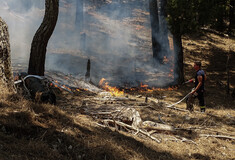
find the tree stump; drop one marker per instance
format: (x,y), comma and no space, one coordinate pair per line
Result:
(6,75)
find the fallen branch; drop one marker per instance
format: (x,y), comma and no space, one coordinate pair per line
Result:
(136,129)
(149,125)
(217,136)
(153,101)
(183,139)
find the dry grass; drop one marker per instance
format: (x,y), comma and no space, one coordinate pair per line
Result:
(42,131)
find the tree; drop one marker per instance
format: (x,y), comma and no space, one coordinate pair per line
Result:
(41,38)
(153,8)
(6,76)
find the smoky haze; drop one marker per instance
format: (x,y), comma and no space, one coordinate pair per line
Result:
(114,35)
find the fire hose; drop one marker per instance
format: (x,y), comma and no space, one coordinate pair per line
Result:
(189,81)
(41,78)
(179,101)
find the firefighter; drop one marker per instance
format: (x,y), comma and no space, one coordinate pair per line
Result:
(198,91)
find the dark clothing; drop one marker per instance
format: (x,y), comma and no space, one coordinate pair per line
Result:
(199,93)
(191,98)
(200,97)
(200,73)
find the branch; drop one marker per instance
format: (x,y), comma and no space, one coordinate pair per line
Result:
(217,136)
(136,129)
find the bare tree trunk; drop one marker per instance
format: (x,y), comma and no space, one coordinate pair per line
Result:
(153,8)
(6,76)
(179,71)
(41,38)
(88,70)
(163,28)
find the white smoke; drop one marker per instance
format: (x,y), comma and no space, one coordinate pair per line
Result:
(116,40)
(22,21)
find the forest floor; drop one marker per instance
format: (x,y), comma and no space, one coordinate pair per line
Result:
(69,130)
(74,128)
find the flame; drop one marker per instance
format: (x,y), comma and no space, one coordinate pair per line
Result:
(101,81)
(143,86)
(113,90)
(66,88)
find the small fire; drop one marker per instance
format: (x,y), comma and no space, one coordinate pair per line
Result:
(143,86)
(113,90)
(66,88)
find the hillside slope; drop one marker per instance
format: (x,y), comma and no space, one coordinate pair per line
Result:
(66,131)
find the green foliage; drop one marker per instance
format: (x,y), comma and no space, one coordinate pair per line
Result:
(187,16)
(181,16)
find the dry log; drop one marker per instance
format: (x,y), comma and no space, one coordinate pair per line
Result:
(130,127)
(217,136)
(149,125)
(130,116)
(153,101)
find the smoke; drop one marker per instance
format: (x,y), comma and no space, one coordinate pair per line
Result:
(115,36)
(22,20)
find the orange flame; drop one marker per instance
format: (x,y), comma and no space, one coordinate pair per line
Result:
(150,90)
(67,88)
(113,90)
(143,86)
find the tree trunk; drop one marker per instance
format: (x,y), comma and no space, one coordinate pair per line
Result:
(162,19)
(179,69)
(231,17)
(153,8)
(163,29)
(88,70)
(41,38)
(6,76)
